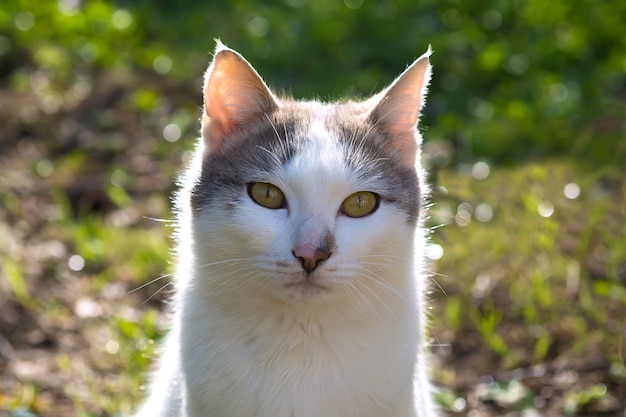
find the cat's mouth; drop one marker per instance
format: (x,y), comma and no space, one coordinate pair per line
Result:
(307,287)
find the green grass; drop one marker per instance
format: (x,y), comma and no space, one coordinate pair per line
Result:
(525,290)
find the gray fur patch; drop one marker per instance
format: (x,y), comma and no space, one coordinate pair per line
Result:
(249,155)
(264,147)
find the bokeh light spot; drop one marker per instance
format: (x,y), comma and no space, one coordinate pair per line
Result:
(119,178)
(571,191)
(76,263)
(171,132)
(483,213)
(44,168)
(162,64)
(112,347)
(121,19)
(480,170)
(434,252)
(353,4)
(24,21)
(545,209)
(258,26)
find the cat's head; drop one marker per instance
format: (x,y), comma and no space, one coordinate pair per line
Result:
(299,200)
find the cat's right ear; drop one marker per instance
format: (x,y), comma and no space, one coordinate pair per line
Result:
(234,95)
(397,109)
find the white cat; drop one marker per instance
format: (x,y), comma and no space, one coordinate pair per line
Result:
(300,270)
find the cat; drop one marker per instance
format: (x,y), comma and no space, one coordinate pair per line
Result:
(300,273)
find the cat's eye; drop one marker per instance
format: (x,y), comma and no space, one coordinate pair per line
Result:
(266,195)
(360,204)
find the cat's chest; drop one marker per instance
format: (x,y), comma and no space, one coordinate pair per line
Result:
(294,367)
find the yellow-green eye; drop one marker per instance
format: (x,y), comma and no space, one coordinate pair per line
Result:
(360,204)
(266,195)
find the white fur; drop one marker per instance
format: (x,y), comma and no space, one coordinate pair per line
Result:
(245,345)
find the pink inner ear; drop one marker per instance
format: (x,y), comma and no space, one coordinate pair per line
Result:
(403,111)
(234,95)
(215,99)
(407,145)
(397,113)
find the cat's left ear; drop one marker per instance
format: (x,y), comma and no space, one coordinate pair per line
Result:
(234,96)
(397,109)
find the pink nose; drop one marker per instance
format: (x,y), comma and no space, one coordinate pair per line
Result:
(310,257)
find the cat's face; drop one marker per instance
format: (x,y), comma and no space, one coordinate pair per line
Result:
(301,200)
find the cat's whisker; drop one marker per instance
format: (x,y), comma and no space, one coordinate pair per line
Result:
(362,301)
(383,259)
(362,164)
(354,147)
(269,119)
(240,274)
(237,272)
(399,258)
(373,164)
(376,278)
(271,153)
(439,344)
(386,260)
(150,282)
(433,280)
(157,292)
(223,261)
(437,226)
(225,271)
(243,281)
(154,219)
(378,297)
(281,143)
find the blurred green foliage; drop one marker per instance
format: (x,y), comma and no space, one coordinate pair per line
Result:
(532,276)
(513,79)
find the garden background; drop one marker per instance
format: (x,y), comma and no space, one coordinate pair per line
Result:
(525,132)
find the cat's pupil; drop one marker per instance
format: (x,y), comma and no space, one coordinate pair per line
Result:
(360,204)
(266,195)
